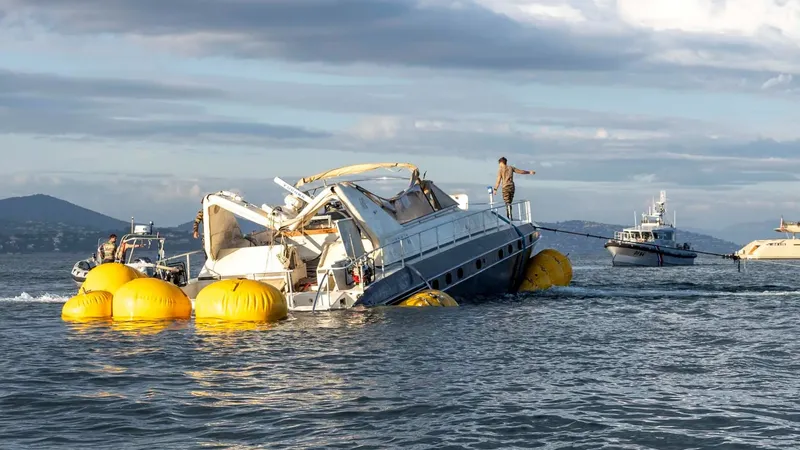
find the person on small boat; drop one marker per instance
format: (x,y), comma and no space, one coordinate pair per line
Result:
(108,250)
(122,250)
(505,177)
(196,228)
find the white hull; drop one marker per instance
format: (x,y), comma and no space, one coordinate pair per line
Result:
(771,249)
(644,257)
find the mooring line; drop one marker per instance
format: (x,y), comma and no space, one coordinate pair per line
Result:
(732,256)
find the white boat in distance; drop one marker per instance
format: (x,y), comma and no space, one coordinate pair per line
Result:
(338,245)
(787,248)
(651,243)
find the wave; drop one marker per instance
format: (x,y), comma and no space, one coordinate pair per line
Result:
(43,298)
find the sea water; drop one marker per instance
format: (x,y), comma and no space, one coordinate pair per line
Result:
(688,357)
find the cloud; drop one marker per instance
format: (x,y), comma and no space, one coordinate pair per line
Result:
(40,104)
(382,32)
(51,85)
(686,43)
(377,128)
(216,94)
(776,81)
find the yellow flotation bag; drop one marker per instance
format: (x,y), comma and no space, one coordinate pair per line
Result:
(546,269)
(241,300)
(90,305)
(429,297)
(150,299)
(109,277)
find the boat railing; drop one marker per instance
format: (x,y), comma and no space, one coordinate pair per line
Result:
(437,237)
(438,240)
(164,262)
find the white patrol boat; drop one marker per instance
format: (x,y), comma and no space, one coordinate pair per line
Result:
(651,243)
(335,245)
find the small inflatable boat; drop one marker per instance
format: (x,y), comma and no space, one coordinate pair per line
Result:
(81,268)
(142,238)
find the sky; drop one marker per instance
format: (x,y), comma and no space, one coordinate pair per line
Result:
(139,107)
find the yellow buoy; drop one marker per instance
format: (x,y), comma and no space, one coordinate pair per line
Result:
(429,297)
(109,277)
(564,262)
(536,279)
(241,300)
(90,305)
(150,298)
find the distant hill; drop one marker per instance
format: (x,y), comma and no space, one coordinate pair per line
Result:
(41,223)
(44,208)
(569,243)
(744,233)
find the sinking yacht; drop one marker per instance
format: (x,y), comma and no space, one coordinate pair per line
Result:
(787,248)
(335,245)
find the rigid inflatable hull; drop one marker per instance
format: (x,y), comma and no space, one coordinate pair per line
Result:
(491,264)
(628,255)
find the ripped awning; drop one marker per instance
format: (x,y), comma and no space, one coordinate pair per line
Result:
(358,168)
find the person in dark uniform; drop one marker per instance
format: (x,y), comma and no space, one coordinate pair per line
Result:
(108,250)
(505,178)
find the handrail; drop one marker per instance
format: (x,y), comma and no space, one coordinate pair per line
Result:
(319,289)
(186,255)
(418,235)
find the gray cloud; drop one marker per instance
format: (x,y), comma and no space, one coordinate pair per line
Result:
(49,85)
(392,32)
(40,104)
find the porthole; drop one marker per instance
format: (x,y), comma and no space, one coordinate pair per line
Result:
(460,273)
(500,254)
(519,245)
(435,284)
(448,278)
(510,249)
(478,264)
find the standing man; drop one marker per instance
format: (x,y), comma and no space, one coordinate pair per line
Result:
(108,250)
(196,228)
(505,176)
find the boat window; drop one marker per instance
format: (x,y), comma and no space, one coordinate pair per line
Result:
(656,235)
(413,203)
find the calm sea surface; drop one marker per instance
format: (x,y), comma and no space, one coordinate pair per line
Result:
(696,357)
